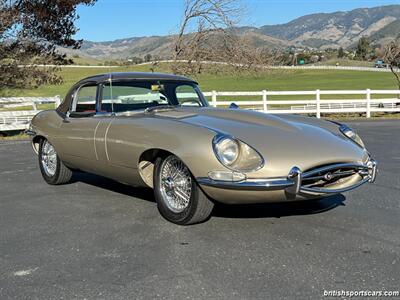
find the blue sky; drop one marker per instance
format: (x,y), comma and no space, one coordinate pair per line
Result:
(114,19)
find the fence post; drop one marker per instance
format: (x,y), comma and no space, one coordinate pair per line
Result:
(57,101)
(34,105)
(318,98)
(265,99)
(214,98)
(368,103)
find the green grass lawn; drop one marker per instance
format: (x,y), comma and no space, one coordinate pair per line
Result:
(277,80)
(346,62)
(86,61)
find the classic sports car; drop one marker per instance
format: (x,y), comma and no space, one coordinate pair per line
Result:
(156,130)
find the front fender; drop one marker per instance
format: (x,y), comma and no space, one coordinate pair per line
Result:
(128,139)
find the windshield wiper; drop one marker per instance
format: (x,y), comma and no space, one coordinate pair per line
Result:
(160,108)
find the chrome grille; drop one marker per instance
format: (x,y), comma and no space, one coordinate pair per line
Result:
(324,179)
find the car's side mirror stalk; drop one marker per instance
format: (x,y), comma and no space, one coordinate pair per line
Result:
(233,106)
(65,119)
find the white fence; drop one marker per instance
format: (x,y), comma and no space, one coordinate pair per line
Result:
(15,112)
(315,105)
(302,67)
(363,102)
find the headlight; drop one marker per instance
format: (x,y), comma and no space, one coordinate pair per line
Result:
(227,150)
(351,134)
(236,155)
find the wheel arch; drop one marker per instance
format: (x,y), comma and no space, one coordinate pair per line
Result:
(36,140)
(147,161)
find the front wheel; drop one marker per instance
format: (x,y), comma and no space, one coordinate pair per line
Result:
(53,170)
(179,198)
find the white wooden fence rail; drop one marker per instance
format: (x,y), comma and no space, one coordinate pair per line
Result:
(316,105)
(19,119)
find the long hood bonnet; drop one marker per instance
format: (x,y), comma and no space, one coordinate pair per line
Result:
(284,141)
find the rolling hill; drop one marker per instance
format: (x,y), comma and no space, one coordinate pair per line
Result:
(339,29)
(320,31)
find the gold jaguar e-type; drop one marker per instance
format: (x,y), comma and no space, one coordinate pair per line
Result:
(157,130)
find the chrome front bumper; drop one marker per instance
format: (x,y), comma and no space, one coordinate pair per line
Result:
(294,182)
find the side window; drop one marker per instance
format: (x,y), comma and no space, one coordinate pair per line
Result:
(187,96)
(85,99)
(126,97)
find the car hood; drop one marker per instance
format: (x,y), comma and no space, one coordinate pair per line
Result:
(283,141)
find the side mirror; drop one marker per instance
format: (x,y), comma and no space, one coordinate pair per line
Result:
(233,106)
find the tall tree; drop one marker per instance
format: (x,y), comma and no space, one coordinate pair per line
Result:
(30,32)
(363,48)
(207,33)
(202,20)
(147,57)
(341,53)
(392,57)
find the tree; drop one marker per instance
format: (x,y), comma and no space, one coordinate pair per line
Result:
(392,57)
(207,33)
(341,53)
(30,32)
(147,57)
(363,48)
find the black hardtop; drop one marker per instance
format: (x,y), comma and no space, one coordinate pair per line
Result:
(135,76)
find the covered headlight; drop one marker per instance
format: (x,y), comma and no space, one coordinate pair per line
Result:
(236,155)
(351,134)
(227,150)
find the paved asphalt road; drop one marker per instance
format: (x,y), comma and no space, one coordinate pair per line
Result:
(98,239)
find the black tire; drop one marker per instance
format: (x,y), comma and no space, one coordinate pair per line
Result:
(62,173)
(198,209)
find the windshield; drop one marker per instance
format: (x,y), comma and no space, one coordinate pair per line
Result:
(133,95)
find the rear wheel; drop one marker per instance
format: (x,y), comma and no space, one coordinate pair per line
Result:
(179,198)
(52,168)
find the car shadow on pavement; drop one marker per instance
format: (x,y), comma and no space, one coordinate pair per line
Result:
(265,210)
(277,210)
(141,193)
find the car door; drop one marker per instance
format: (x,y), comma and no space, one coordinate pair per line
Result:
(130,97)
(78,128)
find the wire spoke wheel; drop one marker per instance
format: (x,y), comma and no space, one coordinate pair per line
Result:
(49,159)
(176,184)
(53,170)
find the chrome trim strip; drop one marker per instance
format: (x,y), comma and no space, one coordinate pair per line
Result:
(373,166)
(248,185)
(334,167)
